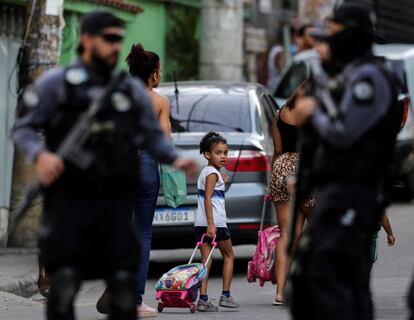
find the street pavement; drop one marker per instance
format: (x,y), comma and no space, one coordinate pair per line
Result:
(391,276)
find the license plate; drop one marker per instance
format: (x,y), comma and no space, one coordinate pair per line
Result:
(170,216)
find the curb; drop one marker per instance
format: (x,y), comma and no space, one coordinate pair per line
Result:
(18,251)
(24,287)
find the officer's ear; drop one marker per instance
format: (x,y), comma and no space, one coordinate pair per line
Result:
(86,42)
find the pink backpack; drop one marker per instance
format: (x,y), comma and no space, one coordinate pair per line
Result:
(262,264)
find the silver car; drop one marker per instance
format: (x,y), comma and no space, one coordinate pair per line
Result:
(242,113)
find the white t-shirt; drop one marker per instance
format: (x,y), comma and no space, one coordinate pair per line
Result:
(217,200)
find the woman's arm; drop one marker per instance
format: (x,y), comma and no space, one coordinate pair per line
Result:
(211,181)
(277,140)
(385,222)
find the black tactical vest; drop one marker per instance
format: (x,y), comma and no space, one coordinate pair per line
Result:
(111,144)
(370,158)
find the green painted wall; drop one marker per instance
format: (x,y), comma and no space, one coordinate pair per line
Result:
(70,37)
(150,27)
(147,28)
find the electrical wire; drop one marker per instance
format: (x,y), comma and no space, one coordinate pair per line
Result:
(22,65)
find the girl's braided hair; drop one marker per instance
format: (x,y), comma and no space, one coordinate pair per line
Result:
(209,139)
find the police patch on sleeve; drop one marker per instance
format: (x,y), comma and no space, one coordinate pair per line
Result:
(76,76)
(363,91)
(120,102)
(31,98)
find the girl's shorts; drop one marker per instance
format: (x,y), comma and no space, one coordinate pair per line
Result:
(222,234)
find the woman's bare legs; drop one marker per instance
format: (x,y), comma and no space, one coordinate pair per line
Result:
(282,214)
(283,262)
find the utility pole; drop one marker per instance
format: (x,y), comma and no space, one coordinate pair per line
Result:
(41,43)
(221,45)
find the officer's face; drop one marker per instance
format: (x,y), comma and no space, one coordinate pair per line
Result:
(322,47)
(106,46)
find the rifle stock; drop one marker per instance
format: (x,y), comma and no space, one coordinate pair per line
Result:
(308,145)
(303,185)
(73,141)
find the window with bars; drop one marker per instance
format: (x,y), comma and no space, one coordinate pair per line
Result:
(12,21)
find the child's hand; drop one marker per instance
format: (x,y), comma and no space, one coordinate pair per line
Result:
(211,230)
(225,177)
(390,239)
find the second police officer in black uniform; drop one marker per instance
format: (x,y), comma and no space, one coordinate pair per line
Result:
(330,277)
(86,230)
(411,300)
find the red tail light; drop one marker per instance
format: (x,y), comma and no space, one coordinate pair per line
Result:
(406,109)
(248,160)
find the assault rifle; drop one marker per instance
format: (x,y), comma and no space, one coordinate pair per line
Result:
(71,146)
(308,144)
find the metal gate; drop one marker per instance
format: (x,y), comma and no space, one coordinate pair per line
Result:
(11,24)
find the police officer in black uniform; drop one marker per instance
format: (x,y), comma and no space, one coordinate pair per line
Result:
(411,300)
(86,230)
(330,275)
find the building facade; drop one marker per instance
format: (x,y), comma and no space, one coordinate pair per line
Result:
(167,27)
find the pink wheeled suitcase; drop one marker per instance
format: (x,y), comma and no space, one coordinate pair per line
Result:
(262,264)
(178,288)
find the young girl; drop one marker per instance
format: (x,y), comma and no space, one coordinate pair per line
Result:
(211,218)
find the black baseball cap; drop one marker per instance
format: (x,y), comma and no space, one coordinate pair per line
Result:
(353,16)
(94,22)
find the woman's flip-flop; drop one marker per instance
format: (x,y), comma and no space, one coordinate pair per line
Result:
(278,303)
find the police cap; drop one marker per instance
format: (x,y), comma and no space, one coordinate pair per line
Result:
(355,16)
(94,22)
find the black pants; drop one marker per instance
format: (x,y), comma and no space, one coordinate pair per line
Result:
(411,300)
(330,274)
(89,235)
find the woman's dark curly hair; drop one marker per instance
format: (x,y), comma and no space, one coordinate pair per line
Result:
(142,63)
(209,139)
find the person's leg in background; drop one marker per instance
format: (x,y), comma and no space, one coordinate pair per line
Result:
(144,214)
(411,300)
(121,288)
(282,261)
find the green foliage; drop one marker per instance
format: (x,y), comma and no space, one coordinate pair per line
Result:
(182,42)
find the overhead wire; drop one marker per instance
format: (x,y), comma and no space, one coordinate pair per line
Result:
(22,62)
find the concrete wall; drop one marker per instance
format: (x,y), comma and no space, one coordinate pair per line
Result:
(221,47)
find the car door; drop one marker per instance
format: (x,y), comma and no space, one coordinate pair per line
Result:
(296,74)
(269,108)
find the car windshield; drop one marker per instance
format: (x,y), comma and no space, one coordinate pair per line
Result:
(203,112)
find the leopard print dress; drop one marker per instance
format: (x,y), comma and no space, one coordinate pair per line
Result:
(284,167)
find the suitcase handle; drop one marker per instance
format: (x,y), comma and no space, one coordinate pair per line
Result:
(199,244)
(267,198)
